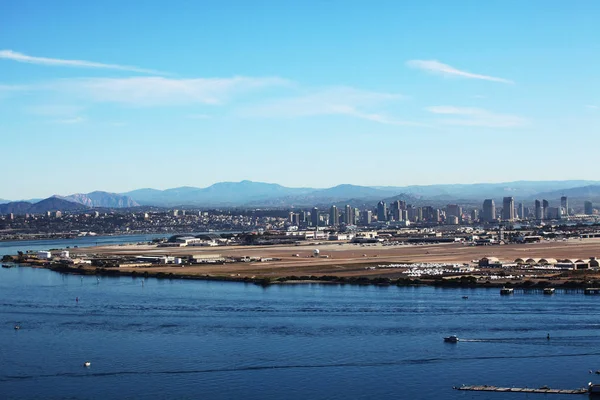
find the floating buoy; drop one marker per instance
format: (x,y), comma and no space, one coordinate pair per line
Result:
(17,327)
(87,364)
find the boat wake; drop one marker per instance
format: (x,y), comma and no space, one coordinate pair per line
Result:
(88,374)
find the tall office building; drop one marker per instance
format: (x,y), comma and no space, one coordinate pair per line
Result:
(553,212)
(588,208)
(302,216)
(396,210)
(381,211)
(454,210)
(508,209)
(334,216)
(426,213)
(545,206)
(474,215)
(349,215)
(521,212)
(404,214)
(564,203)
(539,212)
(366,217)
(314,217)
(489,210)
(291,217)
(435,215)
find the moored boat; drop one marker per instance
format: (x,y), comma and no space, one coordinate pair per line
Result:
(451,339)
(507,291)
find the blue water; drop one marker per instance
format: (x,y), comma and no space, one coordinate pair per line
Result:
(12,247)
(225,340)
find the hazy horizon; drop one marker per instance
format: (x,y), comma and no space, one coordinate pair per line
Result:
(291,187)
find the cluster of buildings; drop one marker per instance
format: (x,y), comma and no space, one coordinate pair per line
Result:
(400,214)
(397,214)
(542,263)
(541,210)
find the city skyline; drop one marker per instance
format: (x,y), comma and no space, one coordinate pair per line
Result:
(207,91)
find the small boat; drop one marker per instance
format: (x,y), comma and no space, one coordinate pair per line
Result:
(451,339)
(594,389)
(87,364)
(548,290)
(465,297)
(17,327)
(505,291)
(7,265)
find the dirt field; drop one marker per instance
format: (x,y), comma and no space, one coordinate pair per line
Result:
(347,259)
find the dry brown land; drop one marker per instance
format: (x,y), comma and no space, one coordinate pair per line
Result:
(344,259)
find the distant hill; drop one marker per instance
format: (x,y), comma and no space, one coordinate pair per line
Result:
(219,194)
(258,194)
(102,199)
(347,191)
(15,207)
(480,191)
(49,204)
(356,196)
(577,195)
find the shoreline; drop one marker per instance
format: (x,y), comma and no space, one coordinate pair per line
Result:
(464,282)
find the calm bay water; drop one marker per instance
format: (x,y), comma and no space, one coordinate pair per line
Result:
(12,247)
(220,340)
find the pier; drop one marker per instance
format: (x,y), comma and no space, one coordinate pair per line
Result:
(544,390)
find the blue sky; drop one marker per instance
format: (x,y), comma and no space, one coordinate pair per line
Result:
(117,95)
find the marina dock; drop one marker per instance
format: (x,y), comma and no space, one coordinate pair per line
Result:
(545,390)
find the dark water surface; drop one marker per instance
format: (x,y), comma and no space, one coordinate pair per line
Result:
(213,340)
(12,247)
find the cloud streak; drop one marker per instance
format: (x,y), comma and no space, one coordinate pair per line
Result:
(436,67)
(154,91)
(329,101)
(468,116)
(70,121)
(57,62)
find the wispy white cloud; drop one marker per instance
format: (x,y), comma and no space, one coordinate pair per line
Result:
(55,110)
(592,107)
(330,101)
(69,121)
(436,67)
(155,91)
(24,58)
(198,116)
(468,116)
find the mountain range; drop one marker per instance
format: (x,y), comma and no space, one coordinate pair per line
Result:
(259,194)
(102,199)
(43,206)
